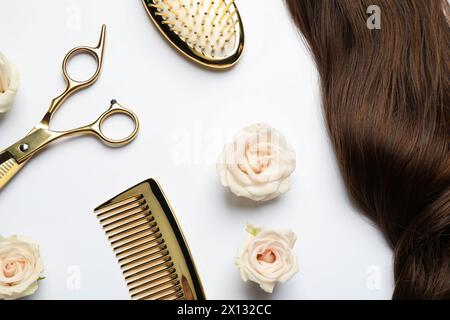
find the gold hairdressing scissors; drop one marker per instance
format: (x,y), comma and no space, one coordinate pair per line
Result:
(15,157)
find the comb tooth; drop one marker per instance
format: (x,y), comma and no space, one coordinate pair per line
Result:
(147,254)
(166,261)
(155,285)
(124,214)
(138,247)
(125,235)
(152,277)
(150,274)
(170,278)
(140,215)
(140,240)
(118,215)
(133,237)
(122,209)
(173,296)
(115,205)
(165,294)
(146,260)
(156,266)
(157,293)
(127,227)
(156,251)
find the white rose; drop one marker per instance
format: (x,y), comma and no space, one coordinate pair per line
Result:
(257,163)
(20,267)
(266,257)
(9,83)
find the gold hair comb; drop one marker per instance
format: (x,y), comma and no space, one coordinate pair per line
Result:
(209,32)
(149,245)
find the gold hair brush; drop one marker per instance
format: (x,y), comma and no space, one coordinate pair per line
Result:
(149,245)
(209,32)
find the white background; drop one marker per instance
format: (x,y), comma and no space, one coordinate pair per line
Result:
(186,114)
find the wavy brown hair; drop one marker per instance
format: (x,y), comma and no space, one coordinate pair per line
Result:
(386,99)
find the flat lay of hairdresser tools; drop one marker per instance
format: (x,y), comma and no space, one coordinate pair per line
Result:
(344,136)
(15,157)
(149,245)
(209,32)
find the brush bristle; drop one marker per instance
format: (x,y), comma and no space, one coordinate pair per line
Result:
(209,27)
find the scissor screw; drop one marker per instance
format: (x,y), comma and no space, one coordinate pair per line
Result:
(24,147)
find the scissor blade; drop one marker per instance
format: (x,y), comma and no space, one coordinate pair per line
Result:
(8,168)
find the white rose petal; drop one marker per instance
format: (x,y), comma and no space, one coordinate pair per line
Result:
(257,164)
(20,267)
(9,83)
(267,257)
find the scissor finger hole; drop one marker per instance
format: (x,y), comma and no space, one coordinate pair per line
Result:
(81,66)
(118,126)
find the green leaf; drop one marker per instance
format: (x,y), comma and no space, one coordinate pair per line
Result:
(41,278)
(254,231)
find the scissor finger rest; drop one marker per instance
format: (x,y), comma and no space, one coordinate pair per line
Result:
(115,109)
(76,85)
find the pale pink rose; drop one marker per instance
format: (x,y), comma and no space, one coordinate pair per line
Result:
(257,164)
(266,257)
(20,267)
(9,83)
